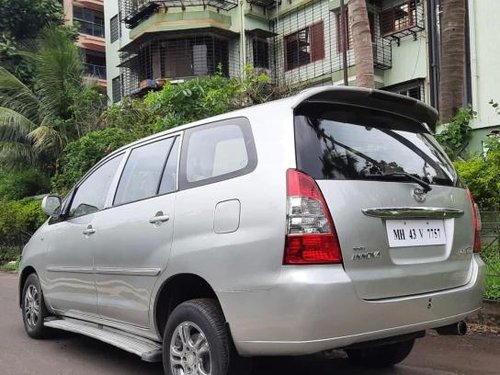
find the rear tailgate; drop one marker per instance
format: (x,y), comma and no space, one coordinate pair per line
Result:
(374,168)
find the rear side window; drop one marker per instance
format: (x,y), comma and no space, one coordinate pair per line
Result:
(142,173)
(216,152)
(91,195)
(345,143)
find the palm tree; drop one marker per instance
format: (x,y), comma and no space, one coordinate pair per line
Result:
(33,121)
(452,73)
(362,43)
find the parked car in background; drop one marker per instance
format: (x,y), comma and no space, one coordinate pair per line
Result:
(331,219)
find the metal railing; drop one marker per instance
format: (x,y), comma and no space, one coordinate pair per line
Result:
(91,28)
(97,71)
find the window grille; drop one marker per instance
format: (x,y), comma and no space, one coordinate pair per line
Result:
(114,26)
(169,58)
(402,20)
(116,89)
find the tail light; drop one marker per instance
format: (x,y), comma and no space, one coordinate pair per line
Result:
(311,236)
(477,223)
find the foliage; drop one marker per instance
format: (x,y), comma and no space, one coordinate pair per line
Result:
(132,115)
(79,156)
(11,266)
(178,104)
(495,106)
(35,124)
(18,218)
(86,109)
(17,184)
(482,175)
(22,21)
(491,257)
(456,135)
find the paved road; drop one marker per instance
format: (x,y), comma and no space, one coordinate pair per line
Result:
(78,355)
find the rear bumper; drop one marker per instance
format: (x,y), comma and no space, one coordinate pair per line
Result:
(312,309)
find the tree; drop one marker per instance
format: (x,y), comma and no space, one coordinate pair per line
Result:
(34,123)
(362,43)
(20,23)
(452,74)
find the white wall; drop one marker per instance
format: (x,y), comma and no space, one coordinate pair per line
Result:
(112,54)
(484,18)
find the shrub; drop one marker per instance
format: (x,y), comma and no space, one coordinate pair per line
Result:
(455,136)
(81,155)
(482,175)
(18,184)
(19,219)
(133,116)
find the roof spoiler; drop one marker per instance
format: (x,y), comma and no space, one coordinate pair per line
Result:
(369,98)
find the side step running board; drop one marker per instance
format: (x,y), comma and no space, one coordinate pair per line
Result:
(148,350)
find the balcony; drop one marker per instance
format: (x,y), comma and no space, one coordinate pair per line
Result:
(91,28)
(170,57)
(403,20)
(97,72)
(382,54)
(90,4)
(266,4)
(136,11)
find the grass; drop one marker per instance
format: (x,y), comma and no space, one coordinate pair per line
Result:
(9,258)
(492,290)
(11,266)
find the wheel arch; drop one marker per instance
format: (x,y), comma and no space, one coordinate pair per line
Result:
(175,290)
(23,275)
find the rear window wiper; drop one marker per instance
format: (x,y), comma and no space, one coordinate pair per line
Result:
(408,176)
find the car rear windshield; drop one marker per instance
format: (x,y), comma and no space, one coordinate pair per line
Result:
(339,142)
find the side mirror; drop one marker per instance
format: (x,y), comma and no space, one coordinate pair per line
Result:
(51,205)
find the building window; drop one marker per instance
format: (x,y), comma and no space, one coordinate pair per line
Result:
(398,18)
(91,22)
(341,21)
(116,87)
(304,46)
(343,24)
(260,53)
(413,89)
(114,26)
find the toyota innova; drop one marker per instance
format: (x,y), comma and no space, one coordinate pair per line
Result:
(330,219)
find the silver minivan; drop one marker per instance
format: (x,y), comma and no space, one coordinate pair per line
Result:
(330,219)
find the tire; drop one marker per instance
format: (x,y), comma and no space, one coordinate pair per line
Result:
(196,337)
(33,308)
(381,356)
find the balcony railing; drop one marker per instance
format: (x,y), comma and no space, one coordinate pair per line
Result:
(382,53)
(402,20)
(97,71)
(91,28)
(135,11)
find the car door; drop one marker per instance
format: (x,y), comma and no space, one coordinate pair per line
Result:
(134,236)
(70,259)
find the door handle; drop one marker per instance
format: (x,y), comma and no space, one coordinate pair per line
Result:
(159,218)
(89,231)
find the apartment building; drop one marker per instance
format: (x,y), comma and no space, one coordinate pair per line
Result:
(89,16)
(295,41)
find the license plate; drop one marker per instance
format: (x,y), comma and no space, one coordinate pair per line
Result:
(402,233)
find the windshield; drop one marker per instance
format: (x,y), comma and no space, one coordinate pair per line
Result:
(350,143)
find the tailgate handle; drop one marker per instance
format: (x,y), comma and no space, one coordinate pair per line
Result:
(413,212)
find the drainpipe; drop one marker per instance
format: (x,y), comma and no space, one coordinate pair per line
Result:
(343,34)
(243,41)
(468,70)
(473,58)
(433,52)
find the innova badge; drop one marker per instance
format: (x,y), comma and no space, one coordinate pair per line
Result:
(419,194)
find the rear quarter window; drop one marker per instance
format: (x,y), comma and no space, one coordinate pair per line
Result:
(216,152)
